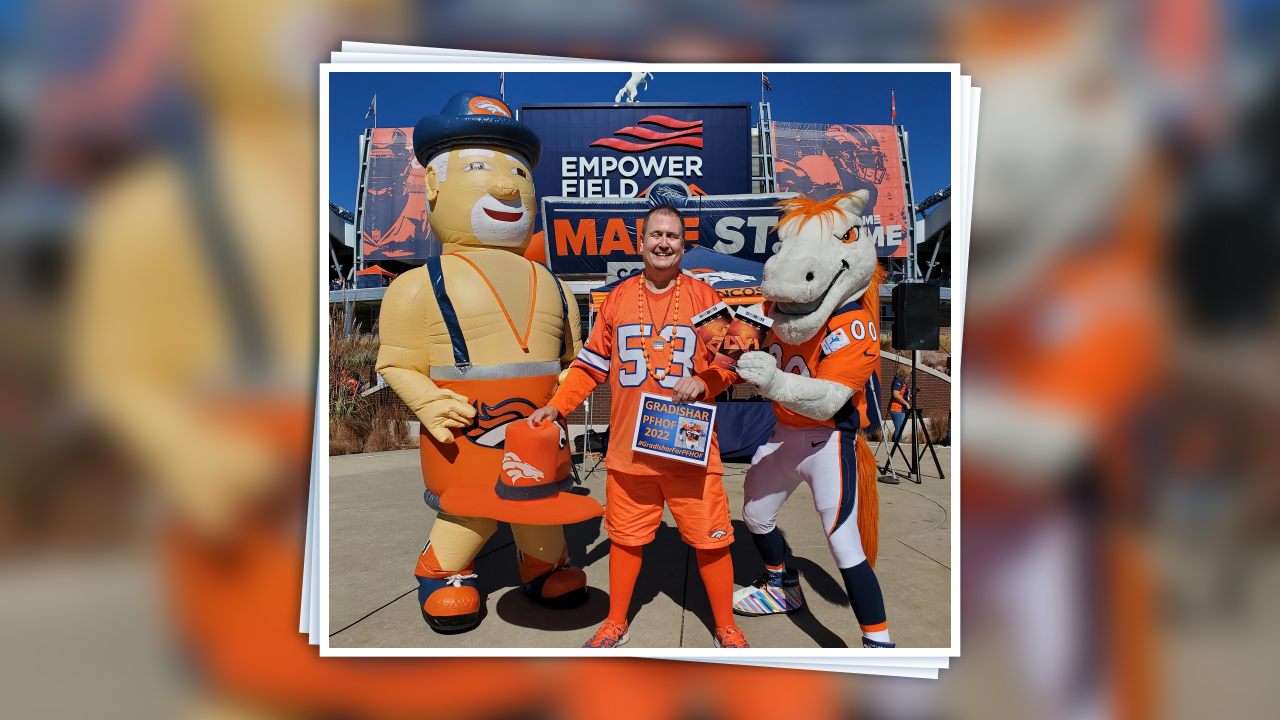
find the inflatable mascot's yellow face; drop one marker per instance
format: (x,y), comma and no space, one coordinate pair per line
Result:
(481,196)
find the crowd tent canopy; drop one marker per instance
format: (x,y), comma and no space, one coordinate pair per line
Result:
(374,276)
(737,280)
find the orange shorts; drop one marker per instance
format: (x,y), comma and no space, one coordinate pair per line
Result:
(633,508)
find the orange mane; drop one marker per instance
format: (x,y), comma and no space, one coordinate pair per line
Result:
(802,209)
(873,292)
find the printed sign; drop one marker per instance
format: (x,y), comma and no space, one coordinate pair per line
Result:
(619,150)
(676,432)
(820,161)
(711,325)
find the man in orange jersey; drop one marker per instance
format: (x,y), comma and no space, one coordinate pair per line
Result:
(644,342)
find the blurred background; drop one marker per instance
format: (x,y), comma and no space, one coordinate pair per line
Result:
(1121,359)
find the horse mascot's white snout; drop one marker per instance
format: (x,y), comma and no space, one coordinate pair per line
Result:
(826,261)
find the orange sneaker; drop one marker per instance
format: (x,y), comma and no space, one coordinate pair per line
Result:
(610,635)
(449,599)
(556,586)
(731,637)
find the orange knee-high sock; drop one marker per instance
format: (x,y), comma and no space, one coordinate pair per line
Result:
(624,568)
(716,568)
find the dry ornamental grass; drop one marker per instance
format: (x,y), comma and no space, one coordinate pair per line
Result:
(358,423)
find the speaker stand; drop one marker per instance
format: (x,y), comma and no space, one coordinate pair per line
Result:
(891,478)
(916,417)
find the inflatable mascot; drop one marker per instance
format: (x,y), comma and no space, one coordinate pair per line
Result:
(474,341)
(820,373)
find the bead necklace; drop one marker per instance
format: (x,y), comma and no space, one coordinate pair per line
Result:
(655,340)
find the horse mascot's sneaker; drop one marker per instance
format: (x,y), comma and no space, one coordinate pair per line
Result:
(474,341)
(821,372)
(771,593)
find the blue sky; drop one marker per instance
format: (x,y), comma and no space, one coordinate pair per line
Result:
(923,100)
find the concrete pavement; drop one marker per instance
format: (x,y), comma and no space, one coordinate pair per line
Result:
(379,523)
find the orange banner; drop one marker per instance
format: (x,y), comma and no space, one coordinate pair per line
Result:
(820,161)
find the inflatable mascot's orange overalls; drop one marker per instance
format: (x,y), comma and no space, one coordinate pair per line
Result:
(473,341)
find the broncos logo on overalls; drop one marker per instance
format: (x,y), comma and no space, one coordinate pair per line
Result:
(490,427)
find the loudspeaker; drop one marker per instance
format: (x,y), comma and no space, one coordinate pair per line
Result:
(915,316)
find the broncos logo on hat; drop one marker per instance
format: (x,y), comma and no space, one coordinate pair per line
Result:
(518,470)
(487,106)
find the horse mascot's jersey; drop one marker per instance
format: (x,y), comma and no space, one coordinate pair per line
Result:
(847,352)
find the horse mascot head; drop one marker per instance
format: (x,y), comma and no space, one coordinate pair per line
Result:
(826,260)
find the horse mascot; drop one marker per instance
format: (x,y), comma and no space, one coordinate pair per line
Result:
(473,342)
(822,292)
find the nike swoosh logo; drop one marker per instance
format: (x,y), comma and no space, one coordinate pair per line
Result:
(867,354)
(824,442)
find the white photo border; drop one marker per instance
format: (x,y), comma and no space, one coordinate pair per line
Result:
(961,169)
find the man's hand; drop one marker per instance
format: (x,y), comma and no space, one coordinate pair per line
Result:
(447,410)
(759,369)
(688,389)
(541,415)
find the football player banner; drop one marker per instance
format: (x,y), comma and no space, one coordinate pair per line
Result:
(820,161)
(393,209)
(674,431)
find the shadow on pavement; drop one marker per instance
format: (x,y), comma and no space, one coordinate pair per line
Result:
(497,570)
(818,580)
(665,565)
(580,536)
(518,610)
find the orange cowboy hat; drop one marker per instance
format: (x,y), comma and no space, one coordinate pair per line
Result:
(529,488)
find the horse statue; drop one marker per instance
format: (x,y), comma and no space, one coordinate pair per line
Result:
(821,372)
(631,88)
